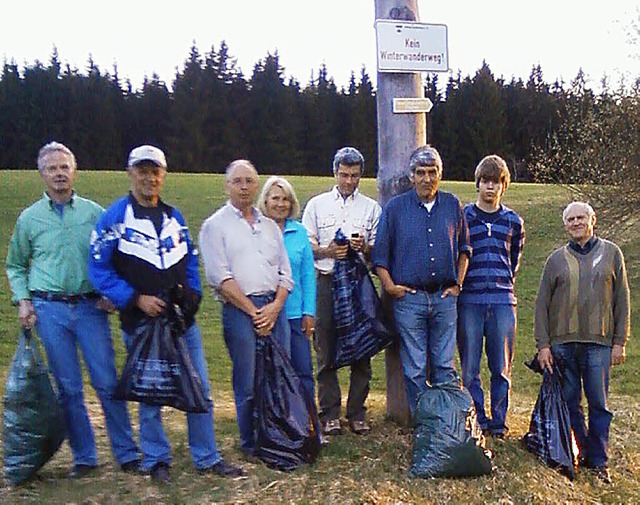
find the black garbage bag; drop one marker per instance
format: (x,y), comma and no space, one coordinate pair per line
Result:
(158,370)
(33,426)
(360,328)
(447,441)
(287,428)
(549,435)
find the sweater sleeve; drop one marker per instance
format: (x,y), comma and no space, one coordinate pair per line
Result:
(621,302)
(543,301)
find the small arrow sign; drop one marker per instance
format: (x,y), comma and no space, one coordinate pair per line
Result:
(411,105)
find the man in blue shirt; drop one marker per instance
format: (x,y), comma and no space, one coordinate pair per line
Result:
(421,255)
(487,305)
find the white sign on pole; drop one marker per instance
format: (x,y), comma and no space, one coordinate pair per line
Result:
(411,105)
(411,47)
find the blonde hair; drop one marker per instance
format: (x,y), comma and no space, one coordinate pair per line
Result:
(285,186)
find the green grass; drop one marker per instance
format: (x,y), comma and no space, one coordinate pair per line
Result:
(372,469)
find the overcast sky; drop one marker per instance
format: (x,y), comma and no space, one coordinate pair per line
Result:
(144,37)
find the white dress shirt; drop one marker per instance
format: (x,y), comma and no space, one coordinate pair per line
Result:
(328,212)
(254,256)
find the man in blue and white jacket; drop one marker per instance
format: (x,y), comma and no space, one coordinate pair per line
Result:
(487,302)
(140,251)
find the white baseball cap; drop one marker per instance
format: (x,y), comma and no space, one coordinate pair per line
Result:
(147,153)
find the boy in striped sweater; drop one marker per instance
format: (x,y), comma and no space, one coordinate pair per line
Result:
(487,302)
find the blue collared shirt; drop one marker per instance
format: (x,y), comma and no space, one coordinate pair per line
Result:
(302,300)
(420,248)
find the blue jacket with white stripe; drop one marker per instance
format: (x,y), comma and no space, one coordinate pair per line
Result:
(129,257)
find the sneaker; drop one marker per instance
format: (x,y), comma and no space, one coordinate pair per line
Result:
(81,471)
(360,427)
(160,473)
(131,466)
(602,473)
(224,469)
(332,427)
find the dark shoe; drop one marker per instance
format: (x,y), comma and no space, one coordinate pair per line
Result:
(602,472)
(224,469)
(160,473)
(131,466)
(81,471)
(360,427)
(332,427)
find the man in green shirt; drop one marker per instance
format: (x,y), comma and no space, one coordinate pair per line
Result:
(47,270)
(581,326)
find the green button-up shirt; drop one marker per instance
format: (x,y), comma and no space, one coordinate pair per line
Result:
(49,250)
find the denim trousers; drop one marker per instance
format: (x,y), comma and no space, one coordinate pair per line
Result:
(495,325)
(202,439)
(329,395)
(240,338)
(587,364)
(301,357)
(426,323)
(63,328)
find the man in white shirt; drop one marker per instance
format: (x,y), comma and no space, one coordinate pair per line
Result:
(246,263)
(357,215)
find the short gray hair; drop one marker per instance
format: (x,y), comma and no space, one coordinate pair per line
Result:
(425,156)
(582,205)
(285,186)
(235,164)
(348,156)
(55,147)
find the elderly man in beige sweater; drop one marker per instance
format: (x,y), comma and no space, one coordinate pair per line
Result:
(582,323)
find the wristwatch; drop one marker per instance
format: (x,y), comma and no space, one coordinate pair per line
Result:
(459,286)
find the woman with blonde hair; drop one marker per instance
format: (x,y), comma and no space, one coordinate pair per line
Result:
(279,202)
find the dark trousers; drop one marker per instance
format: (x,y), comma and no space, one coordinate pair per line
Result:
(329,396)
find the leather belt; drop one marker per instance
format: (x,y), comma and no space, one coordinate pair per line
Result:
(60,297)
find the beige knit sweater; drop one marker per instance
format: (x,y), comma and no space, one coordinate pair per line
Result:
(583,298)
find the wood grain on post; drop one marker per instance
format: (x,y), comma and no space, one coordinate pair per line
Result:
(398,136)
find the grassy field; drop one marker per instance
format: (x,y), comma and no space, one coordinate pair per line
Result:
(371,469)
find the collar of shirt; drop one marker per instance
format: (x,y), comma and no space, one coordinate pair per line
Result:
(585,249)
(419,202)
(338,196)
(52,203)
(257,215)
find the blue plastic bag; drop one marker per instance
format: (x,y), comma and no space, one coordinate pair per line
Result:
(33,426)
(549,435)
(287,428)
(158,370)
(357,312)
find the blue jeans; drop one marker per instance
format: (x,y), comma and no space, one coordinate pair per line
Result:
(240,338)
(202,438)
(588,364)
(301,357)
(427,327)
(496,325)
(63,327)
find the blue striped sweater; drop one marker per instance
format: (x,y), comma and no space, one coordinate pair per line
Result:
(497,240)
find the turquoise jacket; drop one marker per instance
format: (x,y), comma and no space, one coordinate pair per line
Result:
(302,300)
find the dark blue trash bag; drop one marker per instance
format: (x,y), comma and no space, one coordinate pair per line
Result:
(447,441)
(359,327)
(549,435)
(287,429)
(158,370)
(32,419)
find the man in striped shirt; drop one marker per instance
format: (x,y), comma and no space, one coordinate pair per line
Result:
(487,303)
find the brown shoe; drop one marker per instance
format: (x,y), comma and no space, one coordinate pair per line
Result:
(332,427)
(360,427)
